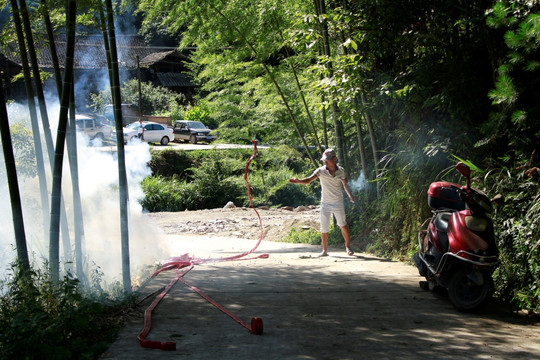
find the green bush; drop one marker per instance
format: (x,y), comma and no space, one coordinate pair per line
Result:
(210,178)
(41,320)
(162,194)
(313,237)
(517,279)
(287,194)
(170,163)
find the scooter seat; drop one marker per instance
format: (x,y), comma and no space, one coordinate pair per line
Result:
(441,221)
(441,224)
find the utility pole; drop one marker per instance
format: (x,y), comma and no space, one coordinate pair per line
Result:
(140,91)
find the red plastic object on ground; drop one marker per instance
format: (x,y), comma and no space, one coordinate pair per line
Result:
(256,326)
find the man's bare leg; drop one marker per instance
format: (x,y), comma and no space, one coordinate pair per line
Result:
(324,241)
(346,237)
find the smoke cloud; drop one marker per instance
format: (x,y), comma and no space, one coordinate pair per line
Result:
(98,184)
(358,184)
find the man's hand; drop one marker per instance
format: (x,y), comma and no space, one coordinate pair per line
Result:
(294,180)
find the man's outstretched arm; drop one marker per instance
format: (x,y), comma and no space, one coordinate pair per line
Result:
(303,181)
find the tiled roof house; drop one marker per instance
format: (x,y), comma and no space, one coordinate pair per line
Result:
(163,68)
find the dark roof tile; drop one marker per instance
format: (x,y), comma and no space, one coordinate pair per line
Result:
(89,51)
(169,79)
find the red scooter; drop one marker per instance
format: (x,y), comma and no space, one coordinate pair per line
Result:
(457,244)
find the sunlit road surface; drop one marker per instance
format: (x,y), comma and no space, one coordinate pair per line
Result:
(336,307)
(187,146)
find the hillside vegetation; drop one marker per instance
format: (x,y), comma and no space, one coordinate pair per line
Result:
(401,89)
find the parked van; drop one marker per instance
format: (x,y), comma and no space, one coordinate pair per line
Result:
(92,127)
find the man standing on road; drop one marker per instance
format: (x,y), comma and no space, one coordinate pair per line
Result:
(140,132)
(332,178)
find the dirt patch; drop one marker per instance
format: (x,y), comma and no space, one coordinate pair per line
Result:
(238,222)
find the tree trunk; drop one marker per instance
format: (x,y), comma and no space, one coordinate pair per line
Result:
(103,26)
(13,185)
(52,45)
(123,184)
(369,123)
(54,256)
(44,119)
(33,115)
(362,154)
(77,204)
(338,126)
(325,123)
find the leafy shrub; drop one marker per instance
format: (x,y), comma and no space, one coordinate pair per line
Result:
(517,279)
(211,178)
(41,320)
(200,113)
(288,194)
(313,237)
(169,163)
(212,185)
(162,194)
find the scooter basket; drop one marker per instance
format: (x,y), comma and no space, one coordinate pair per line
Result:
(445,195)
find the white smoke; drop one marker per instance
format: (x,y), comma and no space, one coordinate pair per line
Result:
(358,184)
(98,184)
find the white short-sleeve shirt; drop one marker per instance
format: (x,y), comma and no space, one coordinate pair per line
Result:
(331,186)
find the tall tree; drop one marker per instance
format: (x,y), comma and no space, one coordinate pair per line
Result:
(52,45)
(44,116)
(54,255)
(338,124)
(123,184)
(71,141)
(247,42)
(32,110)
(516,91)
(248,26)
(293,66)
(14,194)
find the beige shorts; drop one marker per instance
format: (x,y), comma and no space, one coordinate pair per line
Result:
(327,210)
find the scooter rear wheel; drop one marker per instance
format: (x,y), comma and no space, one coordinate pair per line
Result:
(467,295)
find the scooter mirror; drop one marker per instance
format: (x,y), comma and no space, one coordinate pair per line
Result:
(465,171)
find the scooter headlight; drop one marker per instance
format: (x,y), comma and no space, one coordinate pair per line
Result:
(476,223)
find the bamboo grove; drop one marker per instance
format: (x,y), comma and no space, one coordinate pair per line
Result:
(401,89)
(25,22)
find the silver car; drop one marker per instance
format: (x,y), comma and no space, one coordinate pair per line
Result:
(153,132)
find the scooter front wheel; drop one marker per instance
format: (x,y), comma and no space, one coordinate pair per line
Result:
(467,293)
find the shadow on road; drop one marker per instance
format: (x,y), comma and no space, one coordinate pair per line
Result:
(338,307)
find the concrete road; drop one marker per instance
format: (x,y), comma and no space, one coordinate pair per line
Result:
(110,146)
(204,146)
(338,307)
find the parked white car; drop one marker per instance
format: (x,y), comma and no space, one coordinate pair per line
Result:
(92,127)
(153,132)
